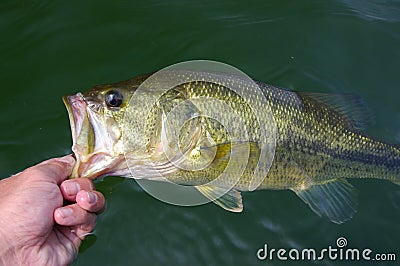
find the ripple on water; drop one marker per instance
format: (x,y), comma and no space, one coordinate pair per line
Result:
(384,10)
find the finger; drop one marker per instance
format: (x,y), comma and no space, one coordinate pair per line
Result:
(73,215)
(55,170)
(69,188)
(83,230)
(92,201)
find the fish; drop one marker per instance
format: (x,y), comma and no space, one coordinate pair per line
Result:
(306,142)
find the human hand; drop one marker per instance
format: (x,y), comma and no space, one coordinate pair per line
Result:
(36,228)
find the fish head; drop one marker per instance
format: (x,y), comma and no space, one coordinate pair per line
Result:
(95,120)
(109,141)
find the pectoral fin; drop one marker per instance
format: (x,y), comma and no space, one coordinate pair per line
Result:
(230,200)
(335,200)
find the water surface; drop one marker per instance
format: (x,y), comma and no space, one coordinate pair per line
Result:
(52,48)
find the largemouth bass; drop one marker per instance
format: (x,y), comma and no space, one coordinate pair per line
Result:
(316,140)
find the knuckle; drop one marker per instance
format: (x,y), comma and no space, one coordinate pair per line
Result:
(53,168)
(33,172)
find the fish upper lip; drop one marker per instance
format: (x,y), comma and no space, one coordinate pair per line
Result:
(70,111)
(76,107)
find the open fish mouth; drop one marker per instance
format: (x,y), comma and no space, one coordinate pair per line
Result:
(92,145)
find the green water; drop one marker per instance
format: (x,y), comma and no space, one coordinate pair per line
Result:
(52,48)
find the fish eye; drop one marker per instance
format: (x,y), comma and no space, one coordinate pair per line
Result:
(114,98)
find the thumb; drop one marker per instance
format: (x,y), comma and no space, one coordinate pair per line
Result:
(55,169)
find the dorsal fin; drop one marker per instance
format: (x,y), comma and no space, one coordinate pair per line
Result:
(350,106)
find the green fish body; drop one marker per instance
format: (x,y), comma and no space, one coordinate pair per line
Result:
(317,141)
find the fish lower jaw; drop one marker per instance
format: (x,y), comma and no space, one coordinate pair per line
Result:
(98,165)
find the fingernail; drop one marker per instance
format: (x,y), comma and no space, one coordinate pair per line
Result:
(65,212)
(91,197)
(67,159)
(71,187)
